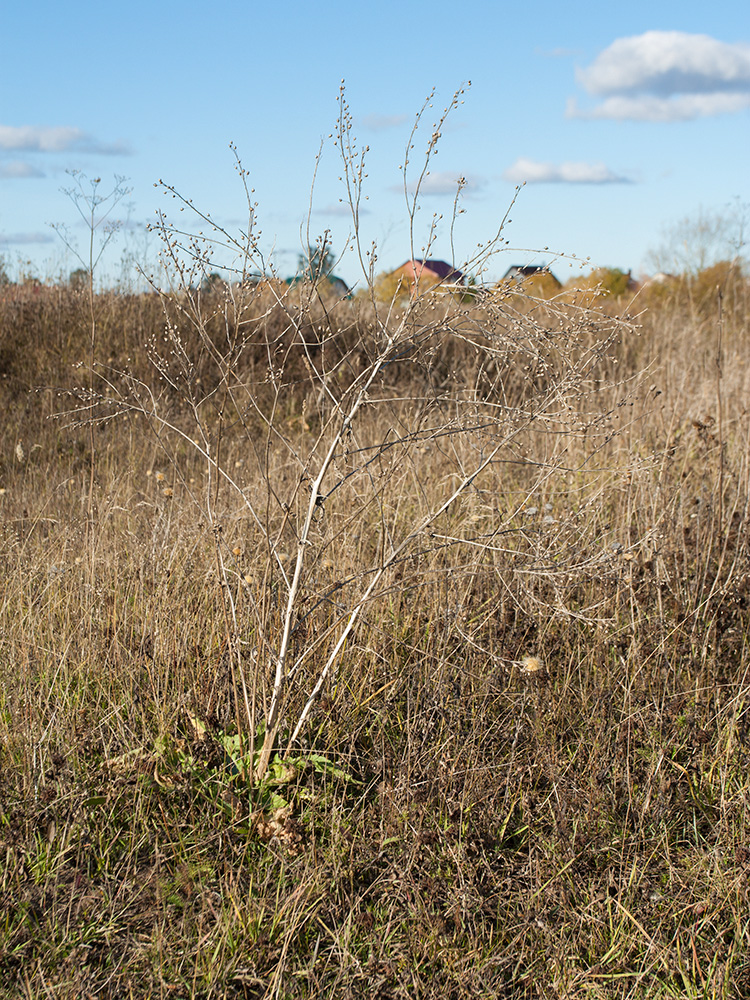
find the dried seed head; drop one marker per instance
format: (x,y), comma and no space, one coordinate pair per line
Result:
(531,665)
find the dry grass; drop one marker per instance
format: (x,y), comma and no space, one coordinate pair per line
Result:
(458,821)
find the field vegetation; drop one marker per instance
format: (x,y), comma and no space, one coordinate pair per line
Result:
(352,648)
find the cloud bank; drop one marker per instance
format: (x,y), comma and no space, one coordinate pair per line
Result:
(442,182)
(525,171)
(56,139)
(23,239)
(665,76)
(15,169)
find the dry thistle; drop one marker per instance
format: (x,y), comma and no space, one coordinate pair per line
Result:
(532,665)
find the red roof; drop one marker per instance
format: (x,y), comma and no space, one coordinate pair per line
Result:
(440,268)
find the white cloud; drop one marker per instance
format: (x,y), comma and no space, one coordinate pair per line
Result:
(39,139)
(533,172)
(667,76)
(668,62)
(683,107)
(57,139)
(442,182)
(18,239)
(16,169)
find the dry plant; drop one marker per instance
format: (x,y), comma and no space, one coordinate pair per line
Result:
(269,387)
(95,209)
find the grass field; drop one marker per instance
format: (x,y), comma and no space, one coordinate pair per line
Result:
(525,770)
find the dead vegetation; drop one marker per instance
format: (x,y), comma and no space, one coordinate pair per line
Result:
(526,773)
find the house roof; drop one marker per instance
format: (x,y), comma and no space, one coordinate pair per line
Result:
(441,268)
(521,271)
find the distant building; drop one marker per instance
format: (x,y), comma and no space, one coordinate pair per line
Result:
(430,272)
(336,284)
(660,278)
(520,272)
(339,286)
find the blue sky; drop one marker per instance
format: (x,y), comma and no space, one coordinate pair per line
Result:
(622,120)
